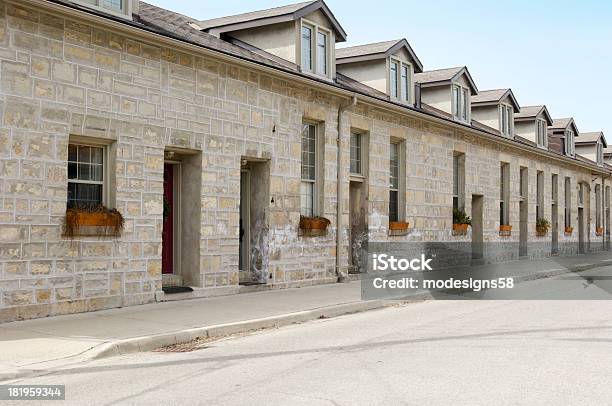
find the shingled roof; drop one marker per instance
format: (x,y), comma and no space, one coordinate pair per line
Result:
(591,138)
(444,76)
(561,124)
(376,50)
(531,112)
(292,12)
(494,96)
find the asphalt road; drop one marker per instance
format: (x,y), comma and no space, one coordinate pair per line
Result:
(529,352)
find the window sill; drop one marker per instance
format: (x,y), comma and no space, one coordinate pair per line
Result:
(354,177)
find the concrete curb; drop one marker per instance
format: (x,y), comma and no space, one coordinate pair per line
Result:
(148,343)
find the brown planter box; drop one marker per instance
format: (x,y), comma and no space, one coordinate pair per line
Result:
(313,226)
(108,223)
(505,230)
(569,230)
(460,229)
(541,231)
(599,231)
(398,228)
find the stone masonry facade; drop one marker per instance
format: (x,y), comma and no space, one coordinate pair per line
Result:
(62,78)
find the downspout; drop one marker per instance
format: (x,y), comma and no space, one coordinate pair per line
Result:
(341,109)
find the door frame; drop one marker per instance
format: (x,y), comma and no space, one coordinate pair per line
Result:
(245,253)
(176,216)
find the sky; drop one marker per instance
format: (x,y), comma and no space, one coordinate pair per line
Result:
(557,53)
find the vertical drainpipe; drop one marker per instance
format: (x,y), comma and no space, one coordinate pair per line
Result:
(341,109)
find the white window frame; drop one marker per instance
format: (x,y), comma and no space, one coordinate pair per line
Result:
(541,130)
(539,195)
(569,143)
(315,29)
(459,180)
(409,88)
(463,105)
(599,152)
(313,182)
(401,179)
(598,205)
(126,7)
(105,169)
(506,112)
(504,193)
(360,136)
(567,205)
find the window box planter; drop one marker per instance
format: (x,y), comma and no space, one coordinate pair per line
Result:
(599,231)
(313,226)
(505,230)
(569,230)
(398,227)
(460,229)
(95,221)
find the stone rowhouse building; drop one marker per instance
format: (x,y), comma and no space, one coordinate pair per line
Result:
(213,137)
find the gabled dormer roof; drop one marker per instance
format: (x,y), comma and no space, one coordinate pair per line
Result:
(440,77)
(591,138)
(292,12)
(562,124)
(531,112)
(493,97)
(377,50)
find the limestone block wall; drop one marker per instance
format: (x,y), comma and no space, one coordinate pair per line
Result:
(61,78)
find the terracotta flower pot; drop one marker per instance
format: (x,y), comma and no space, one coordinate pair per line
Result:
(398,225)
(541,231)
(599,231)
(569,230)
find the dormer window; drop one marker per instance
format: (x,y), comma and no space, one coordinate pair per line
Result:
(599,153)
(569,143)
(120,7)
(400,80)
(506,121)
(461,103)
(541,136)
(315,49)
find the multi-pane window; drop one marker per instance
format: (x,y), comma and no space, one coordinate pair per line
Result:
(506,120)
(85,175)
(539,195)
(541,136)
(309,170)
(581,195)
(458,181)
(555,189)
(394,185)
(597,206)
(356,154)
(568,202)
(599,153)
(307,48)
(461,103)
(112,4)
(504,193)
(400,80)
(393,79)
(569,143)
(321,53)
(315,49)
(115,5)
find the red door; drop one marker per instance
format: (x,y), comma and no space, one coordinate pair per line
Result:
(168,229)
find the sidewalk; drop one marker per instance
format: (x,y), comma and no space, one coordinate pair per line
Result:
(28,346)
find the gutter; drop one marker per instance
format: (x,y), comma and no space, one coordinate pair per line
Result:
(386,105)
(342,277)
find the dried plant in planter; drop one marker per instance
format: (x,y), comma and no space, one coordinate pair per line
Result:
(105,221)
